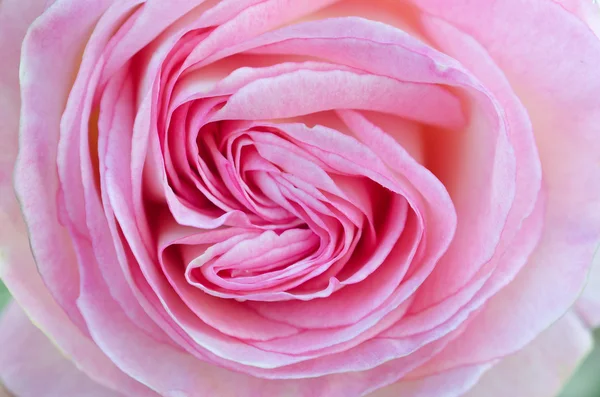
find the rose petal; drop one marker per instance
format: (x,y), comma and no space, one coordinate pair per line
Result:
(528,169)
(541,368)
(35,172)
(313,92)
(17,268)
(32,366)
(522,228)
(15,18)
(452,383)
(18,271)
(389,46)
(143,357)
(555,273)
(588,11)
(588,304)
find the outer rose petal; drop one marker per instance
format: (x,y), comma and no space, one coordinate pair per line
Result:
(587,10)
(538,370)
(566,123)
(588,304)
(17,268)
(15,18)
(18,272)
(450,383)
(542,368)
(30,365)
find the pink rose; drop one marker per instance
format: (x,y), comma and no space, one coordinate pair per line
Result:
(298,198)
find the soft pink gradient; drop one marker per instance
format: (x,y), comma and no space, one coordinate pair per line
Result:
(278,198)
(541,368)
(32,366)
(588,11)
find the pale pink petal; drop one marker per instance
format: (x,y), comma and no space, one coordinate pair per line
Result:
(140,310)
(108,252)
(15,18)
(542,368)
(18,271)
(36,179)
(588,304)
(31,365)
(176,373)
(588,11)
(451,383)
(308,92)
(83,215)
(451,274)
(566,125)
(253,20)
(437,318)
(375,41)
(519,236)
(17,268)
(219,312)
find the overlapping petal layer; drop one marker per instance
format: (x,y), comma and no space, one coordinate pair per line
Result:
(310,202)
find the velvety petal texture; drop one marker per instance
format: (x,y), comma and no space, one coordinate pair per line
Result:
(243,198)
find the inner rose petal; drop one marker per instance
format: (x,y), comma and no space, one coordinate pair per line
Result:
(240,267)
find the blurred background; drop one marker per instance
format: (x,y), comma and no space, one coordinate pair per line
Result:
(585,383)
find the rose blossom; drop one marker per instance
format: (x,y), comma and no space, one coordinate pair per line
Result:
(298,198)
